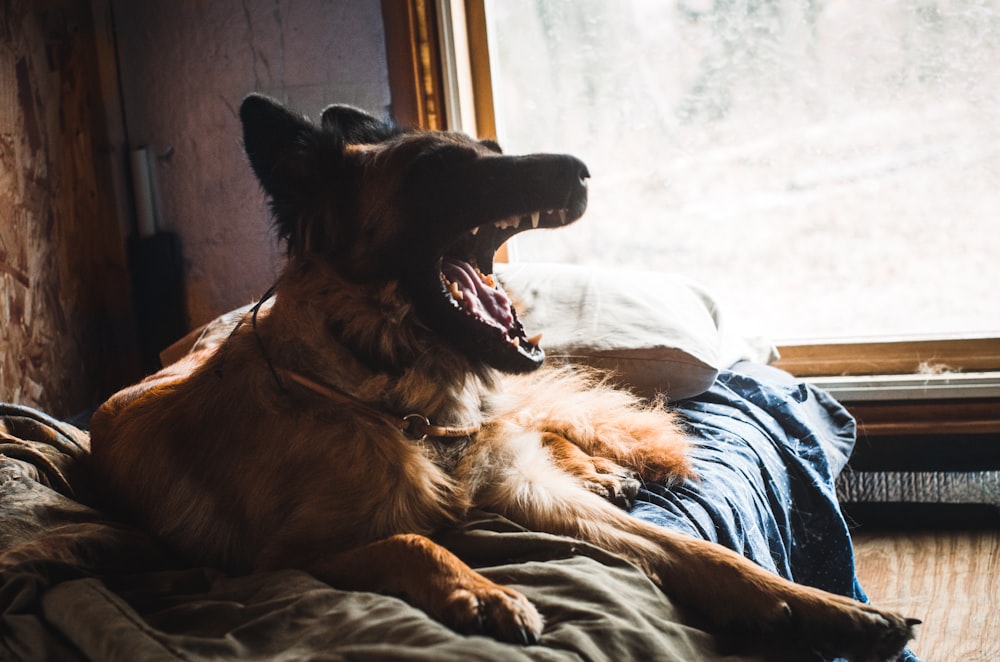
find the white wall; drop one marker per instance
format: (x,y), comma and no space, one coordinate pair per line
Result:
(185,66)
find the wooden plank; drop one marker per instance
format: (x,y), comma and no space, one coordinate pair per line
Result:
(887,357)
(67,337)
(981,416)
(482,80)
(414,62)
(945,578)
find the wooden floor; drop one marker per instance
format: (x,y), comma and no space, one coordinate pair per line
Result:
(948,579)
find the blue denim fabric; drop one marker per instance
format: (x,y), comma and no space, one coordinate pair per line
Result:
(767,450)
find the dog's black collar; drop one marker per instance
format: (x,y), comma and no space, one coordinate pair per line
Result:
(260,341)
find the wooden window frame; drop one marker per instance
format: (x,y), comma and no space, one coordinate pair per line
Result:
(907,387)
(421,57)
(948,386)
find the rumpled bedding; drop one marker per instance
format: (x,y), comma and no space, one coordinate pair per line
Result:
(76,584)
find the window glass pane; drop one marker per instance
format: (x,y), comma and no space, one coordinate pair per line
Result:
(829,168)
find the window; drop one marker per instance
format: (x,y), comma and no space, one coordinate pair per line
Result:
(831,170)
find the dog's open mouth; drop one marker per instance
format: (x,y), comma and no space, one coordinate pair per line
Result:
(481,316)
(478,293)
(456,293)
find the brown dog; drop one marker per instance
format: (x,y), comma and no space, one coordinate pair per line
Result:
(390,388)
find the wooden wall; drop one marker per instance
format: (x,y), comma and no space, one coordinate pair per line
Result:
(66,328)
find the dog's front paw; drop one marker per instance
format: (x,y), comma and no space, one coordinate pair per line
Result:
(752,607)
(858,632)
(494,610)
(838,627)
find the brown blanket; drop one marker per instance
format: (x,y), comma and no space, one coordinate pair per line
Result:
(76,584)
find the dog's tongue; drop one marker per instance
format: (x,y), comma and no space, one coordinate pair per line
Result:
(486,302)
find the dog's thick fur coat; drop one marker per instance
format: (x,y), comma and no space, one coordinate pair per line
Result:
(290,444)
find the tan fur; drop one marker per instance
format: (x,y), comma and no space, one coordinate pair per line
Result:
(236,467)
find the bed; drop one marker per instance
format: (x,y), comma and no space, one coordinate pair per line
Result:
(76,584)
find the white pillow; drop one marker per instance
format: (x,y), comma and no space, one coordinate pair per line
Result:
(660,333)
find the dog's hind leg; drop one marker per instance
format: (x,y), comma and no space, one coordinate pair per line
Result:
(600,475)
(433,579)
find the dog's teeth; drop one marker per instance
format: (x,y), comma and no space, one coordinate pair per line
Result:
(455,292)
(515,342)
(562,216)
(535,339)
(535,216)
(474,231)
(512,222)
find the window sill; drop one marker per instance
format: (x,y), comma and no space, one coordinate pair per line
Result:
(907,387)
(947,386)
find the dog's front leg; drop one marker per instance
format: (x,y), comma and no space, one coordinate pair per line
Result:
(739,597)
(736,597)
(433,579)
(728,593)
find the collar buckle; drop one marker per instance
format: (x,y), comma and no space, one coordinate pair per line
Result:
(416,426)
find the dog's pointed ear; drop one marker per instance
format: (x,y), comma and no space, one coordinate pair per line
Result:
(355,126)
(277,142)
